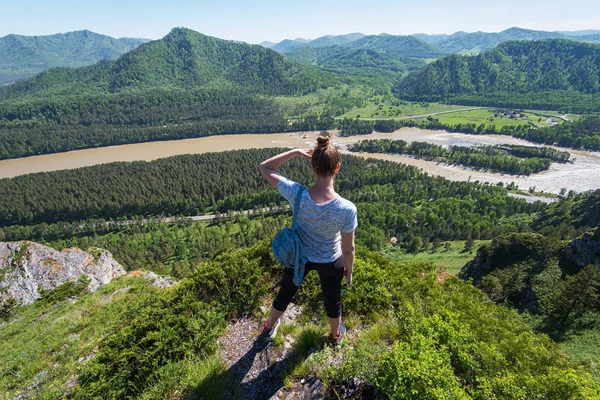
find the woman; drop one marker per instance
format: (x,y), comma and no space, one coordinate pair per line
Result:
(326,225)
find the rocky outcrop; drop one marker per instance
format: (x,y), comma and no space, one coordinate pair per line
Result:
(584,250)
(161,282)
(26,267)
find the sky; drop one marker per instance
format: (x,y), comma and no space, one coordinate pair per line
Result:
(256,21)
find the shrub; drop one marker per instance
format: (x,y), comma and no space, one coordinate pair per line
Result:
(418,370)
(162,327)
(64,291)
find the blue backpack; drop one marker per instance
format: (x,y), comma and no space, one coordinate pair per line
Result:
(288,248)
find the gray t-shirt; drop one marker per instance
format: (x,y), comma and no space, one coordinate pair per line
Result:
(319,225)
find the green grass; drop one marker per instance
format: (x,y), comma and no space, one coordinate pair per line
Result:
(486,116)
(534,193)
(583,347)
(452,260)
(379,108)
(316,103)
(62,334)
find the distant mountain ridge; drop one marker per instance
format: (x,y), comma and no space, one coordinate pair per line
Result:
(477,42)
(25,56)
(287,45)
(458,42)
(398,46)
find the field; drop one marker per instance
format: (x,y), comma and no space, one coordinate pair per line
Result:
(452,260)
(494,117)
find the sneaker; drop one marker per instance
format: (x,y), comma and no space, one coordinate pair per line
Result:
(270,333)
(339,338)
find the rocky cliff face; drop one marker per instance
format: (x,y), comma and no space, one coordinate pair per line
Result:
(585,250)
(26,267)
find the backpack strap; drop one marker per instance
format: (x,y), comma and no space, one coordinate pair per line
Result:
(297,207)
(298,265)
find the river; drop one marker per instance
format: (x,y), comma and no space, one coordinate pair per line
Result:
(581,175)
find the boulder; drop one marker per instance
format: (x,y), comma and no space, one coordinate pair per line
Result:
(26,267)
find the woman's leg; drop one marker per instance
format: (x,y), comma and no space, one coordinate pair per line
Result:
(331,276)
(284,297)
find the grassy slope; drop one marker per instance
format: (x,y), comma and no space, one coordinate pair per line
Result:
(48,344)
(397,306)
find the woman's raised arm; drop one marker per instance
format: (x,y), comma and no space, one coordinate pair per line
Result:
(269,167)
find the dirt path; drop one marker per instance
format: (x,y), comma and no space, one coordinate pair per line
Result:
(255,363)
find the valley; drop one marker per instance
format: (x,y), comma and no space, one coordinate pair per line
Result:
(468,283)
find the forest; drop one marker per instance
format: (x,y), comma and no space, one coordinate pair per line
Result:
(362,61)
(510,159)
(392,199)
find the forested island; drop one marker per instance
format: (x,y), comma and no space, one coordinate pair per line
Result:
(580,134)
(510,159)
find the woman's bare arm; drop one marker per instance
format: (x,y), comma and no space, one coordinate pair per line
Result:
(269,167)
(348,254)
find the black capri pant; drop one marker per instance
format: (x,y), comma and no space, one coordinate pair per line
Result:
(330,275)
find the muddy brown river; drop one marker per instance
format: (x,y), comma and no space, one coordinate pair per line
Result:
(581,175)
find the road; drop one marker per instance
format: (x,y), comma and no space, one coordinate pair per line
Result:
(210,217)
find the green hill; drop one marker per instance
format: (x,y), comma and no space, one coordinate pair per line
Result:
(343,59)
(183,59)
(288,45)
(25,56)
(391,45)
(547,73)
(417,333)
(555,283)
(184,85)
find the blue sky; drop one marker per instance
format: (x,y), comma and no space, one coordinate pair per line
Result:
(255,21)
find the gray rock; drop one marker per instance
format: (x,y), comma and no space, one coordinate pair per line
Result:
(585,250)
(312,389)
(26,267)
(161,282)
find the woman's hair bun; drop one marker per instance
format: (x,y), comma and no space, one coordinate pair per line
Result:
(323,141)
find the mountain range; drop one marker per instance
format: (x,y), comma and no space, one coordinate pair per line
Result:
(465,42)
(182,59)
(25,56)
